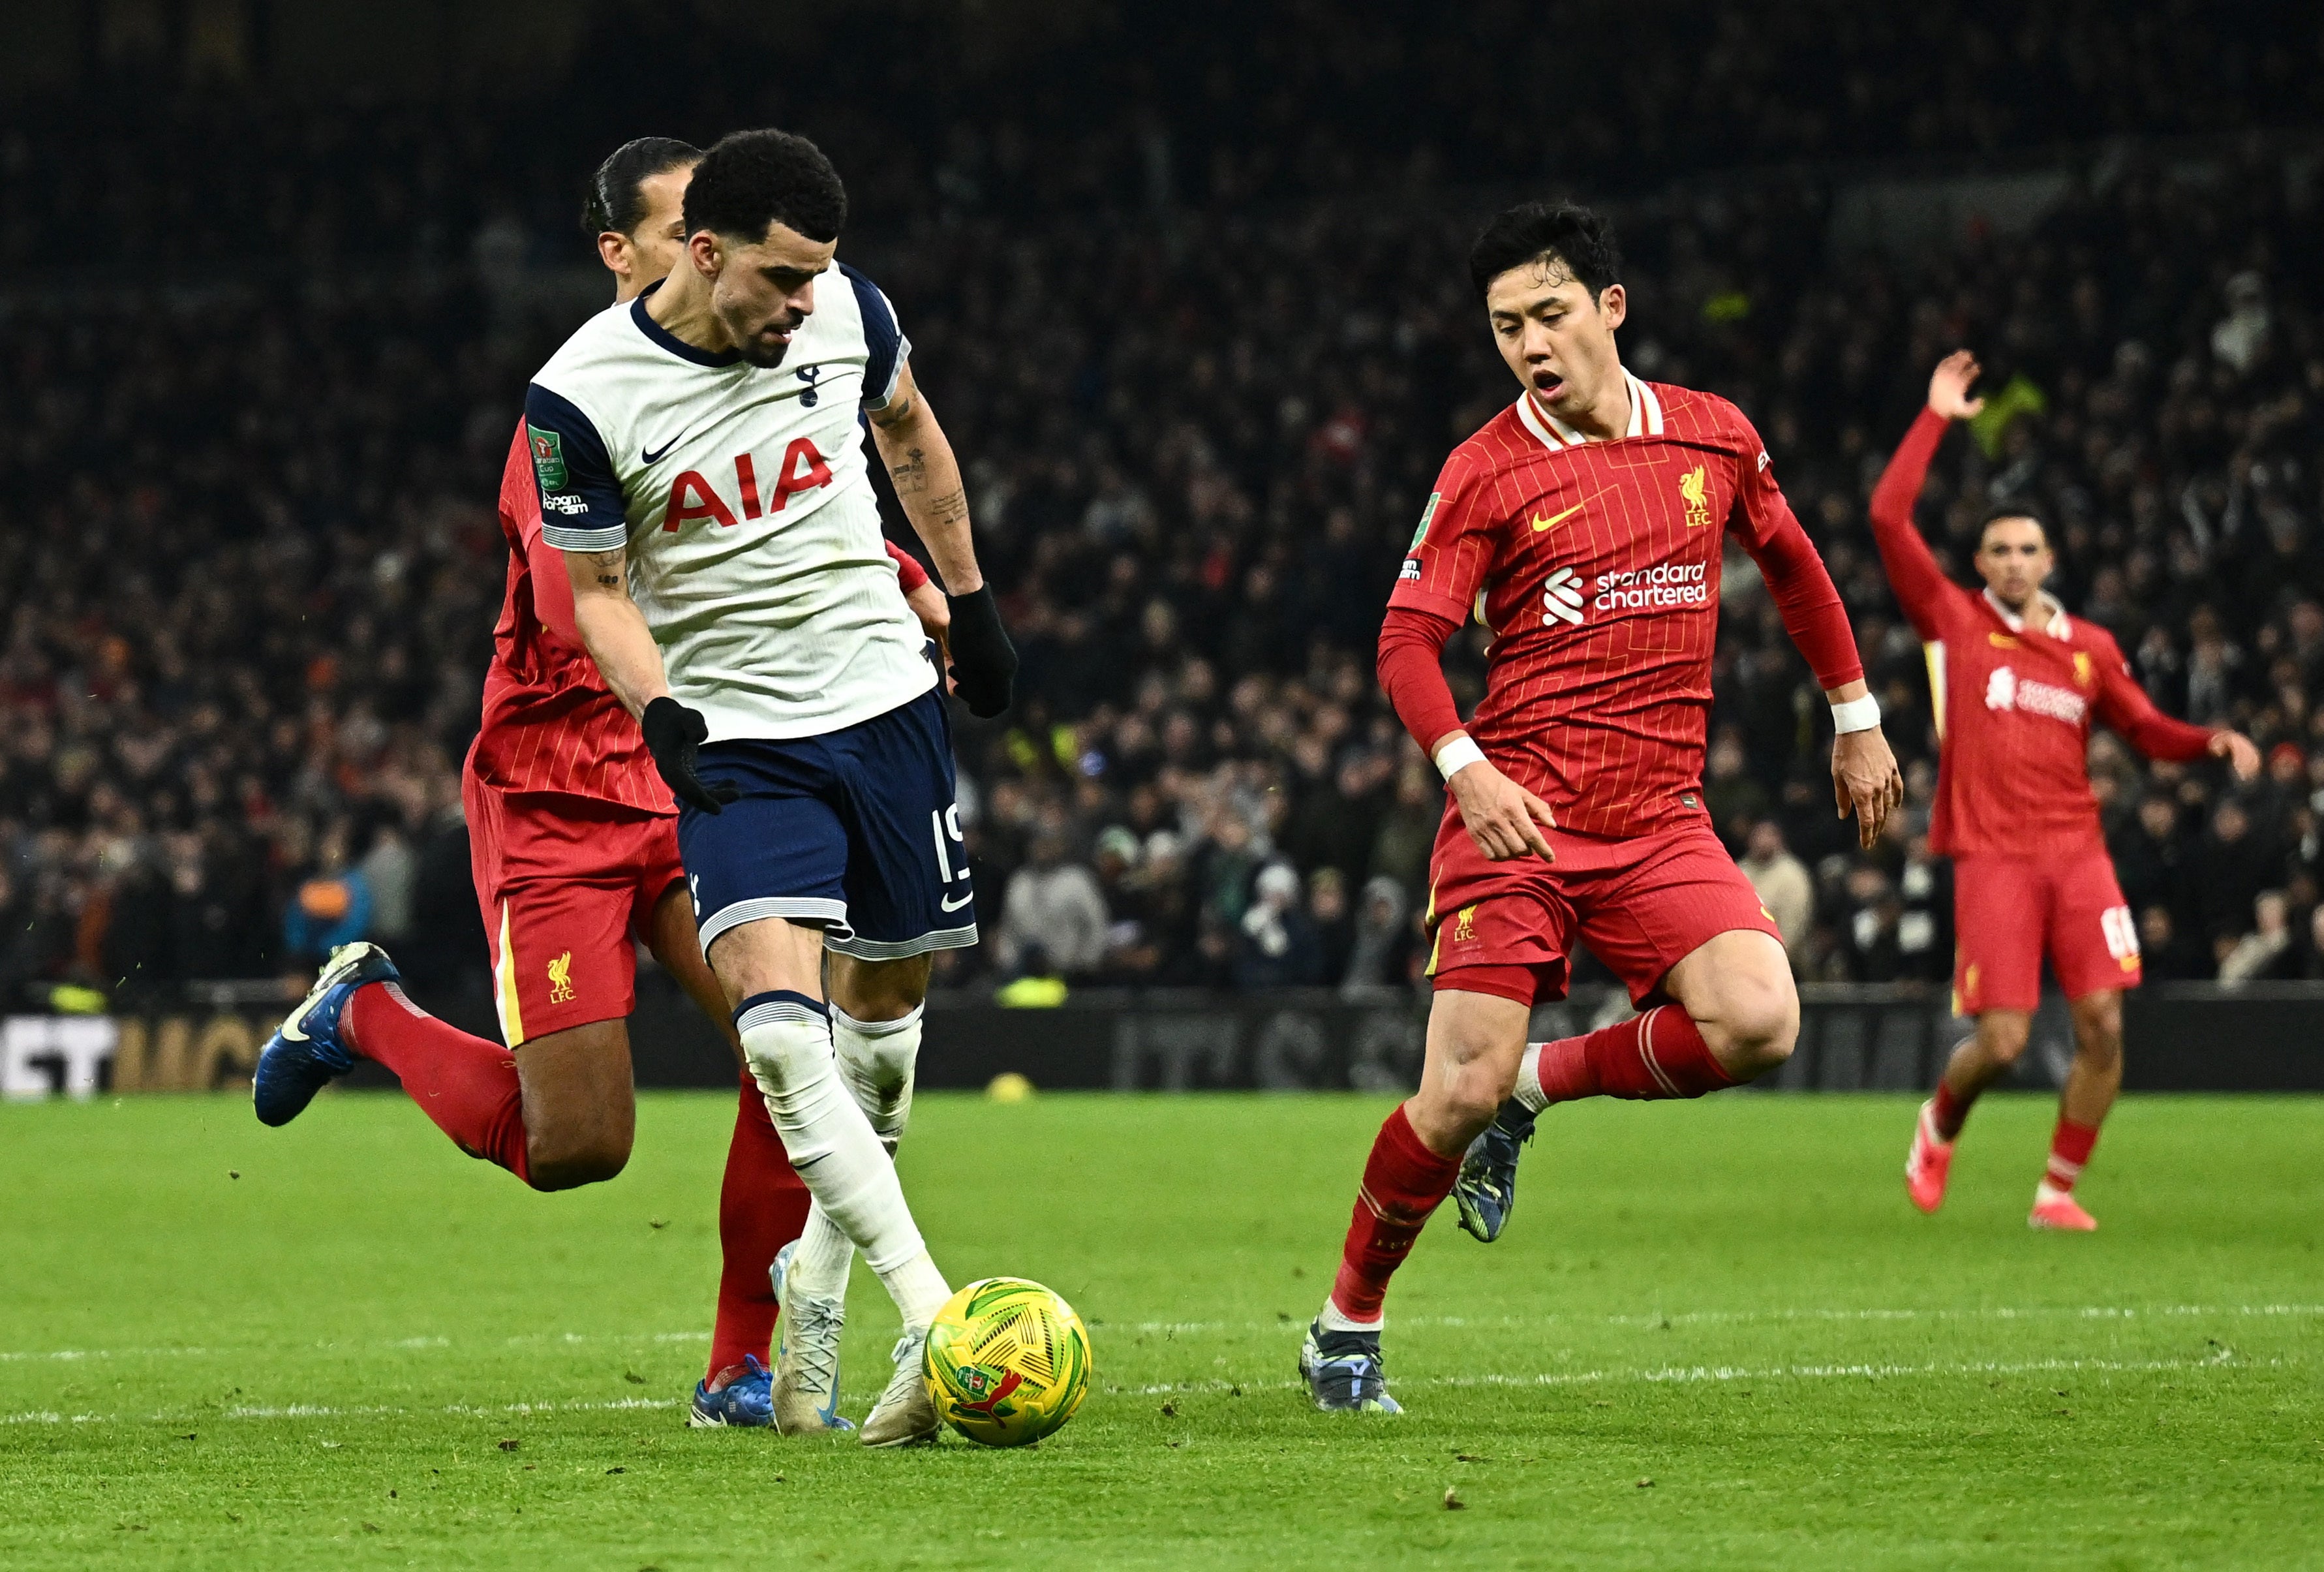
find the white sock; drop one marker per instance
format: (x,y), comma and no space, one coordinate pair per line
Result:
(1331,1320)
(919,1288)
(876,1060)
(1528,1088)
(819,1265)
(787,1039)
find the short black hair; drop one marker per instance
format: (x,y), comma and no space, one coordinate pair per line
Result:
(1576,236)
(751,181)
(617,199)
(2016,507)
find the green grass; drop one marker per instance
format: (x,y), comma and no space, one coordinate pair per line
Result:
(319,1363)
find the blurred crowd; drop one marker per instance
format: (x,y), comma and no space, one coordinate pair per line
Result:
(254,571)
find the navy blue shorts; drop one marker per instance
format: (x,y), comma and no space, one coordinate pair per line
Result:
(855,831)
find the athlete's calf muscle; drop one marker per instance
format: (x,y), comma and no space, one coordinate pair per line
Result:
(580,1110)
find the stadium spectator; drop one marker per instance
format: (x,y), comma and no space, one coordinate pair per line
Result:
(1784,885)
(1278,946)
(1384,939)
(1055,908)
(2264,954)
(2168,955)
(268,630)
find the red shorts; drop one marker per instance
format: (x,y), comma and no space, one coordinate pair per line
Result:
(2008,912)
(566,885)
(1641,904)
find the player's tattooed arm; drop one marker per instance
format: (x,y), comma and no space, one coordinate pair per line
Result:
(613,629)
(610,570)
(928,484)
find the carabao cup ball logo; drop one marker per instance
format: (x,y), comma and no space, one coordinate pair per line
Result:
(1008,1362)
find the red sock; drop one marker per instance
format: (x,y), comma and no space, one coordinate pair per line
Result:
(762,1207)
(1403,1181)
(464,1084)
(1657,1055)
(1948,1111)
(2069,1149)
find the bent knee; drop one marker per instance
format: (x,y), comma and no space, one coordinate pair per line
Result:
(2006,1045)
(1451,1107)
(555,1165)
(1758,1027)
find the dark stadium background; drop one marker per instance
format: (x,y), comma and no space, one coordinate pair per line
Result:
(1185,287)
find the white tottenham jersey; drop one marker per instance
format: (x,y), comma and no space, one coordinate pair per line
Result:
(745,501)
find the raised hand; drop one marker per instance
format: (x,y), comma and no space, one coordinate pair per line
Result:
(1950,383)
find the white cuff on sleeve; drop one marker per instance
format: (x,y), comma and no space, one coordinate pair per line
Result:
(1458,754)
(1857,714)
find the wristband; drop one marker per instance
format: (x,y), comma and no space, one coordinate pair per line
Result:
(1857,714)
(1458,754)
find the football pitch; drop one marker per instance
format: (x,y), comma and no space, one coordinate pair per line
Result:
(1714,1335)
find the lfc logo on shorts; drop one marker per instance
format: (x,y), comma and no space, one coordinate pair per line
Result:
(1693,488)
(1463,926)
(560,979)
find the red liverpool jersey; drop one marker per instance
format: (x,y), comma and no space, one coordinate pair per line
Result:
(550,722)
(1595,566)
(2014,696)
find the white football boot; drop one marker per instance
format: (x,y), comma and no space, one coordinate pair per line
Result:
(905,1414)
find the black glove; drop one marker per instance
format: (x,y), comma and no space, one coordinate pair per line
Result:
(984,661)
(672,734)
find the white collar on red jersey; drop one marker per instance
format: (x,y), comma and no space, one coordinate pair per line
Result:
(2056,627)
(1646,417)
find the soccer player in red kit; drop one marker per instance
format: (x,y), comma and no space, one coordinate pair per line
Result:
(2018,683)
(574,846)
(1583,526)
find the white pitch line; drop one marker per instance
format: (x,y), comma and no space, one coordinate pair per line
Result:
(1668,1375)
(1649,1321)
(1714,1373)
(1652,1320)
(323,1411)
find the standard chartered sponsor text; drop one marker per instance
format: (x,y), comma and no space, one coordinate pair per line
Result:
(1665,584)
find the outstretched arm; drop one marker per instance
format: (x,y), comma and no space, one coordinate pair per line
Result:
(2124,706)
(1922,589)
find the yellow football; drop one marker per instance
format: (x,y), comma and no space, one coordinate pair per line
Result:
(1008,1362)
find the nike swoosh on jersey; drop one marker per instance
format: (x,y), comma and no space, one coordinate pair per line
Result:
(1540,524)
(951,905)
(654,456)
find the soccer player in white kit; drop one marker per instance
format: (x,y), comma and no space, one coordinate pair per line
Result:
(700,462)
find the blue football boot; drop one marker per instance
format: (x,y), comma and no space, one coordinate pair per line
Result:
(1344,1374)
(1487,1189)
(745,1402)
(309,1049)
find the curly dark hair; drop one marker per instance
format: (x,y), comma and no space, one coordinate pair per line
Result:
(1536,231)
(751,181)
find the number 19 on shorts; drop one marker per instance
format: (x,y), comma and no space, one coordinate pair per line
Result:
(952,856)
